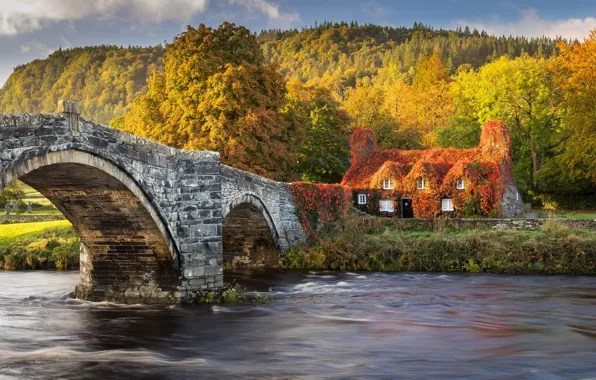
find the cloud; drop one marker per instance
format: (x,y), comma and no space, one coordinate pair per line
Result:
(271,10)
(371,7)
(30,15)
(36,48)
(531,25)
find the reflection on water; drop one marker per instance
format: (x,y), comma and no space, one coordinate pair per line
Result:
(318,325)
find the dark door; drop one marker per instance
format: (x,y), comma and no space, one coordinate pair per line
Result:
(406,208)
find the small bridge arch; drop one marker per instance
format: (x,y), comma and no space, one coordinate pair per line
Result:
(249,235)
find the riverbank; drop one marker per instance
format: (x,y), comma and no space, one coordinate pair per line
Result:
(384,245)
(45,245)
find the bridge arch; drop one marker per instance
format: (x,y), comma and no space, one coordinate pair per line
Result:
(250,236)
(127,251)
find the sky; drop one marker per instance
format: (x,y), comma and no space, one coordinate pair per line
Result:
(32,29)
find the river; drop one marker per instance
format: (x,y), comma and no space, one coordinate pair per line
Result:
(317,325)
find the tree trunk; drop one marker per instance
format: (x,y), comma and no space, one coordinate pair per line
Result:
(534,163)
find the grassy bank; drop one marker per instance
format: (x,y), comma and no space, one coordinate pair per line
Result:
(379,245)
(38,245)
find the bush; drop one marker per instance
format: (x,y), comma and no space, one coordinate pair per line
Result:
(49,251)
(555,229)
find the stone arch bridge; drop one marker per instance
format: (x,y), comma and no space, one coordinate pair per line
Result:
(157,224)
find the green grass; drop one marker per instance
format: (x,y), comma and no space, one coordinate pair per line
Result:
(33,196)
(375,245)
(9,233)
(570,214)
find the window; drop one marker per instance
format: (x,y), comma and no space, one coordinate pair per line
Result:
(386,205)
(447,204)
(421,184)
(361,199)
(387,184)
(461,184)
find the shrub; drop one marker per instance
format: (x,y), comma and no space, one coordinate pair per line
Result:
(48,251)
(318,204)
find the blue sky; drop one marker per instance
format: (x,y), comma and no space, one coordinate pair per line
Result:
(31,29)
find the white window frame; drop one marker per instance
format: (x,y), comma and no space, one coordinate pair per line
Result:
(387,184)
(447,204)
(460,184)
(421,184)
(361,199)
(386,205)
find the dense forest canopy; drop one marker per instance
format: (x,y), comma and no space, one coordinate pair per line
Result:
(105,79)
(282,103)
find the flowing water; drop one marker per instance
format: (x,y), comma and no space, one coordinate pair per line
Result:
(317,325)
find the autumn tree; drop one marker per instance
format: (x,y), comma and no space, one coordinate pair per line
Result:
(217,93)
(365,105)
(423,108)
(324,155)
(576,73)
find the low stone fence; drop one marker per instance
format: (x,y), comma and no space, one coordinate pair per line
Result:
(29,218)
(533,224)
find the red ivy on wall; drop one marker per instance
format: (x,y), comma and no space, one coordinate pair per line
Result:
(426,202)
(319,204)
(486,170)
(482,191)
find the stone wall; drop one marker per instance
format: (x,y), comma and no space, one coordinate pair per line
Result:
(534,224)
(26,218)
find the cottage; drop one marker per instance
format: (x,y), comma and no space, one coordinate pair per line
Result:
(435,182)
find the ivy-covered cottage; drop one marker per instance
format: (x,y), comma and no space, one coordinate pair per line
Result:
(435,182)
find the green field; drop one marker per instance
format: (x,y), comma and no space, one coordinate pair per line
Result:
(34,196)
(568,214)
(9,233)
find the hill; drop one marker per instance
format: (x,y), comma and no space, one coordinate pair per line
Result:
(105,79)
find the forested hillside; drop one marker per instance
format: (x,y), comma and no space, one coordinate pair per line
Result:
(339,55)
(105,79)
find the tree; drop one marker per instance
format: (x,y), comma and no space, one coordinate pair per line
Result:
(424,108)
(430,71)
(365,105)
(576,73)
(521,91)
(324,156)
(216,93)
(11,193)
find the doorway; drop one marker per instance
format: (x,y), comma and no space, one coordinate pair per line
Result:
(407,211)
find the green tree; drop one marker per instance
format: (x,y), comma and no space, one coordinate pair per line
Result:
(521,91)
(11,193)
(325,153)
